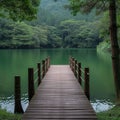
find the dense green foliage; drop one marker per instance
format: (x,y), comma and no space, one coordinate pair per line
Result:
(101,6)
(86,6)
(22,35)
(79,33)
(20,9)
(54,27)
(69,33)
(104,31)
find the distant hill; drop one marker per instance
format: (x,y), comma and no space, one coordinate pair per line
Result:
(51,12)
(55,27)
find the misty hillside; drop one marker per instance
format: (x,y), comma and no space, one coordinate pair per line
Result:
(55,8)
(55,11)
(55,27)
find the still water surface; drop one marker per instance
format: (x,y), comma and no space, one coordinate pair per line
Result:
(16,62)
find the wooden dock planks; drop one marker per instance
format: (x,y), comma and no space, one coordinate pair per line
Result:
(59,97)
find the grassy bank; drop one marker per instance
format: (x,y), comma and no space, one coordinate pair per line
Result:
(8,116)
(113,114)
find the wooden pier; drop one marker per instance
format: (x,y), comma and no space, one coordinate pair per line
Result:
(59,96)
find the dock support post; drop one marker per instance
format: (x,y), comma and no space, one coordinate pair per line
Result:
(79,73)
(30,83)
(48,62)
(75,68)
(46,65)
(73,63)
(86,88)
(39,73)
(70,62)
(18,107)
(43,68)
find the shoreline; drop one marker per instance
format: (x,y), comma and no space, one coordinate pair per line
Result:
(112,114)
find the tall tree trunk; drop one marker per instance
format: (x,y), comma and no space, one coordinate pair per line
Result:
(114,46)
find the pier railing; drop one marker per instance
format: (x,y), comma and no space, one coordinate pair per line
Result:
(41,71)
(81,74)
(34,77)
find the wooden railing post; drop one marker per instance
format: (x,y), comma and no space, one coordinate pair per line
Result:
(45,65)
(18,107)
(48,62)
(86,87)
(43,68)
(39,73)
(73,63)
(79,73)
(75,68)
(70,61)
(30,83)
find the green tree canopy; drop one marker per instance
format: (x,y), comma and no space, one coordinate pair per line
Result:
(19,9)
(86,6)
(77,34)
(112,6)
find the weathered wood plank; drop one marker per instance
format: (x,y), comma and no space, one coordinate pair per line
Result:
(59,97)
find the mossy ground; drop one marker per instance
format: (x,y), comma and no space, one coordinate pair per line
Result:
(4,115)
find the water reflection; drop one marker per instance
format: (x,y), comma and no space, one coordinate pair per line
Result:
(16,62)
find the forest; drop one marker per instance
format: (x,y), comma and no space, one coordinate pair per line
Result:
(39,24)
(56,27)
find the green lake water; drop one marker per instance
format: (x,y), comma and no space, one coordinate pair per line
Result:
(16,62)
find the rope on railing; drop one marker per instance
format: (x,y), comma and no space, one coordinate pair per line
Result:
(78,71)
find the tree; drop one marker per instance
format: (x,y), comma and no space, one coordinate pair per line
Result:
(100,5)
(19,9)
(78,33)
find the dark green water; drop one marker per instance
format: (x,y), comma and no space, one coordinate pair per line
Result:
(16,62)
